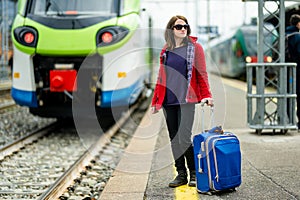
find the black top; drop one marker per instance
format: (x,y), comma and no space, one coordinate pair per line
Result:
(176,70)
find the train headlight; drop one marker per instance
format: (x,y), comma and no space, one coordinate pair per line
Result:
(107,37)
(110,35)
(26,35)
(248,59)
(269,59)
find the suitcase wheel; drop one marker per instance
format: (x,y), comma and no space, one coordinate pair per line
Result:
(206,193)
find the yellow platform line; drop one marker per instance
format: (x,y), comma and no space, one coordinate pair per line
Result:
(185,192)
(241,85)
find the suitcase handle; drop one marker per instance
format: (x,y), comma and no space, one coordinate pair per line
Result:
(200,170)
(212,121)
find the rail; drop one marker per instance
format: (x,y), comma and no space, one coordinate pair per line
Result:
(55,191)
(33,136)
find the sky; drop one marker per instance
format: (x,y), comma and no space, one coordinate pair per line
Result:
(222,13)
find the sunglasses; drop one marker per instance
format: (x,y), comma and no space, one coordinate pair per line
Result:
(180,26)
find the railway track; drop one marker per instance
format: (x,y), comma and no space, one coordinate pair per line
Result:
(11,148)
(56,165)
(16,122)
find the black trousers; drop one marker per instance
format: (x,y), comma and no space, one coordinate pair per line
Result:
(180,119)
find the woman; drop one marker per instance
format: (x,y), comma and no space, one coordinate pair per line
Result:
(182,82)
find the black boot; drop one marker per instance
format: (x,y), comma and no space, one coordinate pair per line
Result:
(192,182)
(181,179)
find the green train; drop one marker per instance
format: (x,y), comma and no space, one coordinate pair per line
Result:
(231,52)
(68,50)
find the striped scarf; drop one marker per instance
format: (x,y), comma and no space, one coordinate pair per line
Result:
(190,59)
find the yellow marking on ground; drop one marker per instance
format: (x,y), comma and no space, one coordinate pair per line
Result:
(241,85)
(235,84)
(185,192)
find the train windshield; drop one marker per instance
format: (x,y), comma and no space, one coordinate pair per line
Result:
(251,43)
(74,7)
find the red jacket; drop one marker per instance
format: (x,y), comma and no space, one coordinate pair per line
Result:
(198,86)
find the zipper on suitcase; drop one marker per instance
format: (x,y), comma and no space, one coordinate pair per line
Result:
(207,159)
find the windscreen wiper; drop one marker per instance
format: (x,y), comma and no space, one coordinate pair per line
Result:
(53,4)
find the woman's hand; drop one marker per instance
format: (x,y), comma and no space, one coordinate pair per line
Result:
(154,110)
(208,101)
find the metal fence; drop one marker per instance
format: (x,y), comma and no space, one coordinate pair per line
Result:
(271,96)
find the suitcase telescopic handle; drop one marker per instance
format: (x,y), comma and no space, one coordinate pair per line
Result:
(202,117)
(212,117)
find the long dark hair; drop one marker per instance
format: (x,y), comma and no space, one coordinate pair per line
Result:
(169,33)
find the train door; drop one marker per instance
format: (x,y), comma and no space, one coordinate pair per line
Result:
(237,58)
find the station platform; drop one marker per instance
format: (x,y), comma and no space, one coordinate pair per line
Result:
(270,162)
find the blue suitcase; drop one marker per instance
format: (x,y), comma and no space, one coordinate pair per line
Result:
(217,160)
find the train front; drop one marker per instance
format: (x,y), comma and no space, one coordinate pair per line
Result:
(54,39)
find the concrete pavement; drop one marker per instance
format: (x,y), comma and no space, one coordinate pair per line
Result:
(270,163)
